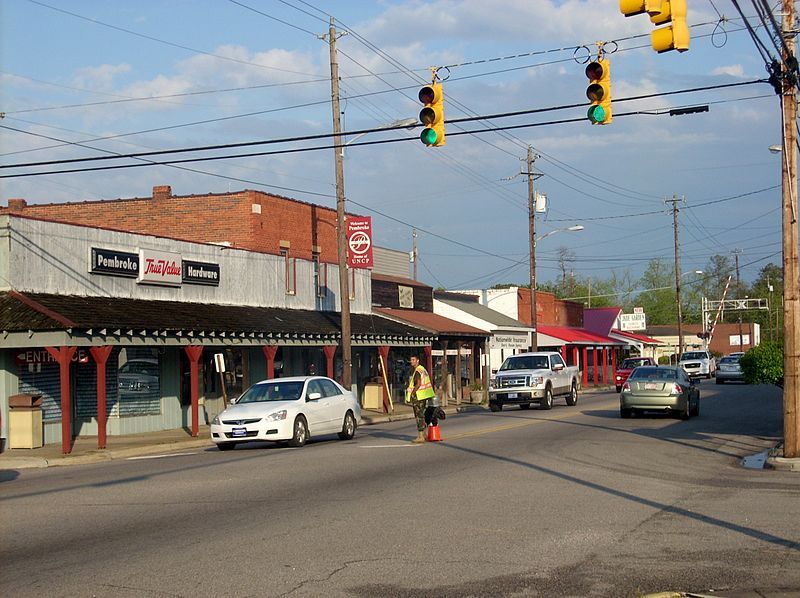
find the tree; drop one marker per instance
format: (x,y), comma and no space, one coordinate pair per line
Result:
(658,298)
(764,364)
(716,274)
(770,275)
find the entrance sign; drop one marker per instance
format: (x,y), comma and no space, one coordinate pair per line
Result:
(359,242)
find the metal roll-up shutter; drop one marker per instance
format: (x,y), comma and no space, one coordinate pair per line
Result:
(43,379)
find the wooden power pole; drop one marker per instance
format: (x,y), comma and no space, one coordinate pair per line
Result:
(674,201)
(791,284)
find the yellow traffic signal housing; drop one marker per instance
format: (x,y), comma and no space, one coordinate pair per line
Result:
(432,115)
(675,36)
(599,91)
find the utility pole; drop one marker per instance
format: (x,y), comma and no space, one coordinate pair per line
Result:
(791,284)
(736,253)
(414,250)
(341,242)
(532,233)
(674,201)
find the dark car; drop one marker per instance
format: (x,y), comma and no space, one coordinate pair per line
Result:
(664,389)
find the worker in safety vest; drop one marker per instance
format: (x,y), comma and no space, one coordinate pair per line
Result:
(418,393)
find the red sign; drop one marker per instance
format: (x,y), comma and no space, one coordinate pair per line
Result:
(33,356)
(359,242)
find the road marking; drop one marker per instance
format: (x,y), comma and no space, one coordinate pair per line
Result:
(390,446)
(159,456)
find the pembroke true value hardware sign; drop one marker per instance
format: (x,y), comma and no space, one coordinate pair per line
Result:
(155,267)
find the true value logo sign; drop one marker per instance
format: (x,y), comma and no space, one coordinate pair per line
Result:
(160,267)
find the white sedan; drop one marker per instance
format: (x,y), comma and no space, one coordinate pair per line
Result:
(289,409)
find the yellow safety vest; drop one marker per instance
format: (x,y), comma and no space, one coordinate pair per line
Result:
(425,390)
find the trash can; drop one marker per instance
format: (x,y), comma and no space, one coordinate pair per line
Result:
(24,421)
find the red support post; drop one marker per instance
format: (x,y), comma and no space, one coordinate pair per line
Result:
(100,356)
(595,360)
(383,351)
(585,369)
(330,353)
(614,362)
(63,355)
(269,354)
(605,368)
(564,353)
(193,352)
(576,360)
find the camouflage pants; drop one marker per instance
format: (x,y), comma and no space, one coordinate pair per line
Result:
(419,413)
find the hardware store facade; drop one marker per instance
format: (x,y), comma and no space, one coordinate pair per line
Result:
(152,314)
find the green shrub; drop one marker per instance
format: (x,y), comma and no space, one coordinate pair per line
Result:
(764,364)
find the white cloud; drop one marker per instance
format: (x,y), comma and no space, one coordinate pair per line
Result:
(734,70)
(99,77)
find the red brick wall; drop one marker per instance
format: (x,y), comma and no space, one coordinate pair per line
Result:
(213,218)
(549,310)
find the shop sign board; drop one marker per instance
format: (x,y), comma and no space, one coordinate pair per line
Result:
(509,341)
(359,242)
(114,263)
(635,321)
(159,267)
(200,273)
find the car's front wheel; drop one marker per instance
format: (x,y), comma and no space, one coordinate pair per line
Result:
(495,406)
(299,432)
(348,426)
(547,399)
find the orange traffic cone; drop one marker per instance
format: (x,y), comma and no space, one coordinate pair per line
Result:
(433,433)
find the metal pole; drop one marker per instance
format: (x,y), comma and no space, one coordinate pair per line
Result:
(532,233)
(414,250)
(791,302)
(341,242)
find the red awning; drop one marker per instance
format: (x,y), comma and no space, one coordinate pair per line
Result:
(578,336)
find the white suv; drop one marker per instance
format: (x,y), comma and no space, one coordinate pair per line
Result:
(698,363)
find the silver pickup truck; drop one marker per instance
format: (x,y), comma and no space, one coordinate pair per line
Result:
(534,378)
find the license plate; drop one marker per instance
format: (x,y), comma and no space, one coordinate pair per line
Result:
(650,386)
(239,432)
(512,395)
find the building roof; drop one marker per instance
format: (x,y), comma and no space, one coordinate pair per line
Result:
(120,317)
(642,338)
(470,305)
(433,322)
(600,319)
(400,280)
(577,336)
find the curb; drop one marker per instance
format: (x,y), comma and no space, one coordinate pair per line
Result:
(777,461)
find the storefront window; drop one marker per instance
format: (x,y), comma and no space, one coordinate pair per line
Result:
(138,382)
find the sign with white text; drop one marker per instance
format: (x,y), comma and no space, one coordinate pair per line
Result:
(509,341)
(359,242)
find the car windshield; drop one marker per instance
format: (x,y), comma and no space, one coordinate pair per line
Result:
(272,391)
(524,362)
(654,374)
(694,355)
(629,364)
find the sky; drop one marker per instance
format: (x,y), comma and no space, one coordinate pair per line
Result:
(85,78)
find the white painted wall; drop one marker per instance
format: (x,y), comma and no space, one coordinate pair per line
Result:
(49,257)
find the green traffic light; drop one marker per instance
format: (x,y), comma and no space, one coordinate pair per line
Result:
(596,114)
(428,136)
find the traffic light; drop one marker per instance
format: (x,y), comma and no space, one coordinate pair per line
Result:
(599,91)
(432,115)
(673,37)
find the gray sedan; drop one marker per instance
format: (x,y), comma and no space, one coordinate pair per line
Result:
(729,369)
(665,389)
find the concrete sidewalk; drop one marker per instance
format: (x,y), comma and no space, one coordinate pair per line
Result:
(84,449)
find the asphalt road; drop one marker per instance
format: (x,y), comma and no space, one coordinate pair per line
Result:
(569,502)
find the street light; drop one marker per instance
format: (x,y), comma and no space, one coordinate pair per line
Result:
(408,123)
(534,239)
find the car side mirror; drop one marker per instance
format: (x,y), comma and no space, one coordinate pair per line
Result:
(557,367)
(314,396)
